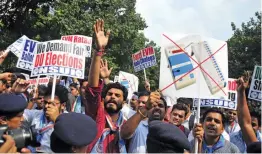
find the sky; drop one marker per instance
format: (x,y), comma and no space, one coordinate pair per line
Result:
(210,18)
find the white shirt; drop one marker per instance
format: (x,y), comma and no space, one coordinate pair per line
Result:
(34,118)
(138,140)
(127,111)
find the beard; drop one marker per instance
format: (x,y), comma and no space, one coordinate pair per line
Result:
(111,110)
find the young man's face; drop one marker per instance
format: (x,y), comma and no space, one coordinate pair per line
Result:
(74,91)
(232,115)
(134,104)
(15,122)
(142,100)
(213,125)
(40,102)
(56,102)
(114,100)
(254,122)
(157,112)
(177,117)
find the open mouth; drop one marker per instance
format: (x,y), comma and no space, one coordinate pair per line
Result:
(211,129)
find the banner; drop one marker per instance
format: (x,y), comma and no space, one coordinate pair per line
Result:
(193,66)
(144,58)
(17,46)
(80,39)
(255,87)
(231,103)
(41,81)
(59,57)
(26,57)
(216,103)
(130,81)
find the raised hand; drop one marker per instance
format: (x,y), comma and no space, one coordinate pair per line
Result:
(101,38)
(52,112)
(243,82)
(104,71)
(20,86)
(198,132)
(154,98)
(6,76)
(9,145)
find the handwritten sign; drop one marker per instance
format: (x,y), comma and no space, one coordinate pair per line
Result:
(80,39)
(144,58)
(255,87)
(41,81)
(59,57)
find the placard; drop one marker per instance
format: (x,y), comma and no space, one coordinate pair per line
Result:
(26,57)
(144,58)
(193,66)
(80,39)
(17,46)
(130,81)
(59,57)
(255,87)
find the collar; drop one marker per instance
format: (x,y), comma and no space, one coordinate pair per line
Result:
(220,143)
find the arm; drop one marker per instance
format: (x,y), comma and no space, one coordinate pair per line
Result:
(129,127)
(93,91)
(243,114)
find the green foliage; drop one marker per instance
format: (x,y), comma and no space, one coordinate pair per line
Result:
(244,47)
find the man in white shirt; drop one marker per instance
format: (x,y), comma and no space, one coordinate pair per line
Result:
(43,120)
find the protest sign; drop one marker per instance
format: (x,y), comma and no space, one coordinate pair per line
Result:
(144,58)
(216,103)
(130,81)
(193,66)
(58,57)
(26,57)
(17,46)
(80,39)
(230,103)
(255,87)
(41,81)
(116,79)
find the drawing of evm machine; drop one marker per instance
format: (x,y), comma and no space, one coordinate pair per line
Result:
(202,51)
(180,64)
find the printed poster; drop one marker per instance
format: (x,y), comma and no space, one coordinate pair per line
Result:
(17,46)
(26,57)
(255,87)
(130,81)
(80,39)
(230,103)
(144,58)
(182,56)
(59,57)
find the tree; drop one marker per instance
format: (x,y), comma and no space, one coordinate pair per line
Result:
(244,47)
(44,20)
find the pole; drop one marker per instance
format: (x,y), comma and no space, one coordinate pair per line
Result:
(145,74)
(53,88)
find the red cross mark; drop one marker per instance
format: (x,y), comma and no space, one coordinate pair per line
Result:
(198,65)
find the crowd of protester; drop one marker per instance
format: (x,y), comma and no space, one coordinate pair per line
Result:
(93,115)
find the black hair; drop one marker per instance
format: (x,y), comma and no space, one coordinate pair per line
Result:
(60,91)
(256,115)
(42,90)
(116,85)
(143,93)
(181,106)
(165,103)
(187,101)
(75,85)
(59,146)
(216,110)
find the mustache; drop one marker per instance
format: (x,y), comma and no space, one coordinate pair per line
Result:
(111,101)
(156,110)
(211,127)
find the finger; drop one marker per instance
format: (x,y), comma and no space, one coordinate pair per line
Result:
(110,70)
(97,25)
(27,87)
(8,144)
(13,149)
(106,63)
(107,34)
(102,63)
(102,25)
(95,30)
(16,83)
(25,150)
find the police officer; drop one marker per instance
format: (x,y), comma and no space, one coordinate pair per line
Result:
(72,133)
